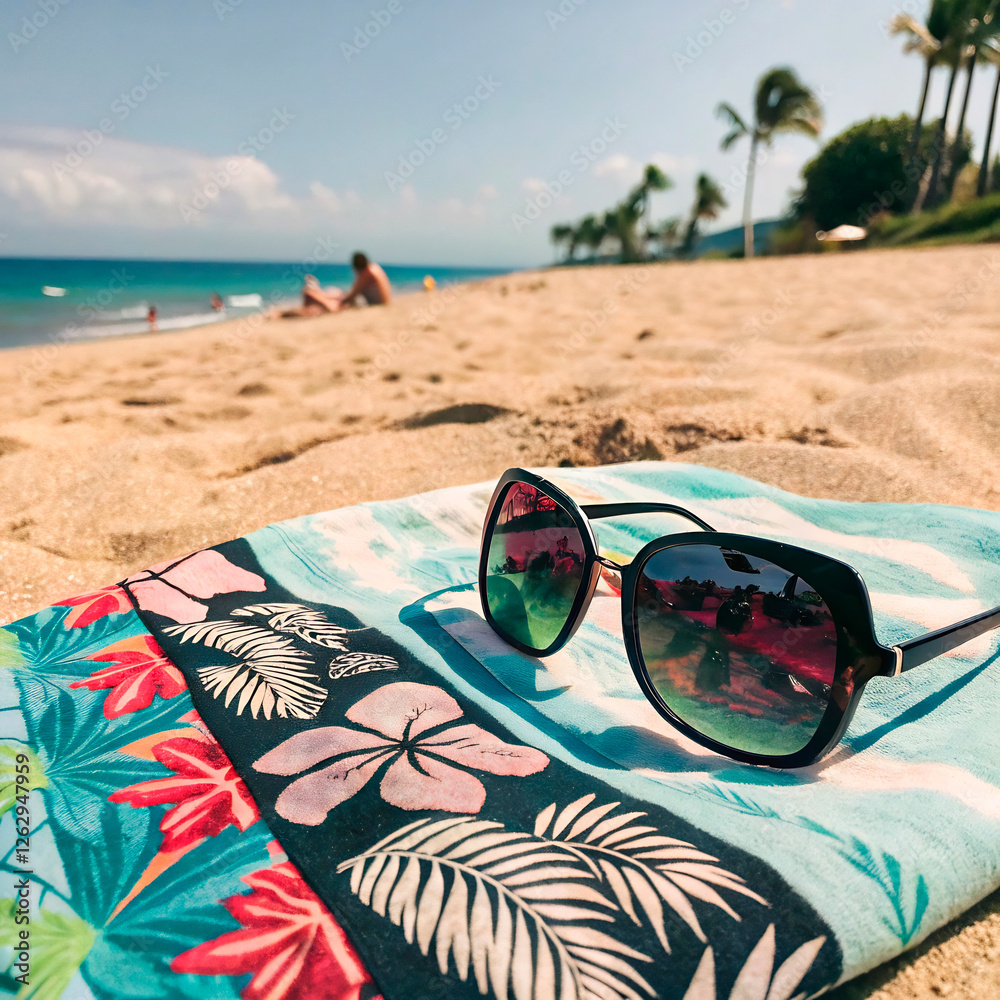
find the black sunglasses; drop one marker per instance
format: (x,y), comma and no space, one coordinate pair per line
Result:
(755,649)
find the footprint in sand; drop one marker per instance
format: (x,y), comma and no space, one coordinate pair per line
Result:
(460,413)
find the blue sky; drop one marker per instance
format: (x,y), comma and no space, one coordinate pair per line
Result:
(235,129)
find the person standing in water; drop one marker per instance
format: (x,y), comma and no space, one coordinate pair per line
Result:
(151,319)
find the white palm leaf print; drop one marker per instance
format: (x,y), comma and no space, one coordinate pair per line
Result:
(269,676)
(306,623)
(645,870)
(507,907)
(349,664)
(755,980)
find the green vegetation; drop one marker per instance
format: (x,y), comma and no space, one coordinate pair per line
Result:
(618,226)
(782,104)
(975,222)
(904,179)
(621,228)
(708,202)
(864,172)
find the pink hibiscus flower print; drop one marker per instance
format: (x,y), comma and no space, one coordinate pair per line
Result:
(139,670)
(89,607)
(409,732)
(169,588)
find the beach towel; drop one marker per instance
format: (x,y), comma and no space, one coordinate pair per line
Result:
(300,764)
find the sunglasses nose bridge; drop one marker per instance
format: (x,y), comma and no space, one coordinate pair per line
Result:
(610,564)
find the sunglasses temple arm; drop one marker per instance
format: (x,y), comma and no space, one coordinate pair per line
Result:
(596,510)
(925,647)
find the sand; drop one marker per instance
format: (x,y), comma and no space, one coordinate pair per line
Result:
(866,376)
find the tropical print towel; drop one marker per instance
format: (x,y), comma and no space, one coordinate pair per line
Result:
(301,765)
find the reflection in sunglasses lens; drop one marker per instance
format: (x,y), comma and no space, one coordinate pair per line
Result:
(741,650)
(535,567)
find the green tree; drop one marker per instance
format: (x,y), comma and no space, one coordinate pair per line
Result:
(708,202)
(666,235)
(924,38)
(565,233)
(622,222)
(959,16)
(782,104)
(992,53)
(982,30)
(591,233)
(859,173)
(653,179)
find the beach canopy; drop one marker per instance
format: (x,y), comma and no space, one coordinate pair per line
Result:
(843,234)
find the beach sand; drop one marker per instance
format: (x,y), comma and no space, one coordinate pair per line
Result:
(866,376)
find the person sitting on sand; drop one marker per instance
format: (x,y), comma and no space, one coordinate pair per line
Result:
(315,301)
(370,284)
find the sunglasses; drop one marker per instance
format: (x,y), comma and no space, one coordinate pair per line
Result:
(755,649)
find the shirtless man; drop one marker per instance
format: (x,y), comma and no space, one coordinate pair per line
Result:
(370,284)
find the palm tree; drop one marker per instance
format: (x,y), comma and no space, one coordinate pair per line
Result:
(926,40)
(667,234)
(565,233)
(591,234)
(560,233)
(954,53)
(653,179)
(782,103)
(622,221)
(708,202)
(992,53)
(982,28)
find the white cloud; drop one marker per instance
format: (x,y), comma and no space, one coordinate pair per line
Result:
(617,165)
(784,158)
(326,197)
(621,166)
(84,178)
(487,192)
(408,196)
(532,185)
(675,164)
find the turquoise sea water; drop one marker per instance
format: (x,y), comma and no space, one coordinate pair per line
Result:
(44,300)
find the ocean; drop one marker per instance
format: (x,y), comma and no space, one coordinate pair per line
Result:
(55,301)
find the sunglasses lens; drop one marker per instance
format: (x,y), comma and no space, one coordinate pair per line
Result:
(741,650)
(535,561)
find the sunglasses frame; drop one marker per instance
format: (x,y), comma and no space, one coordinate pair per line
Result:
(860,656)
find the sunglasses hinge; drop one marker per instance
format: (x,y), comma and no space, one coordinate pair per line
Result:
(610,564)
(898,665)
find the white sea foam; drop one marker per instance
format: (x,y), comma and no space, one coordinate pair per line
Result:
(129,328)
(252,301)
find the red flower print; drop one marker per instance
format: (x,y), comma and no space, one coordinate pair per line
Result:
(210,795)
(406,727)
(169,588)
(291,943)
(89,607)
(140,670)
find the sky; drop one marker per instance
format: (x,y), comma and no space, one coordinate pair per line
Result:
(449,133)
